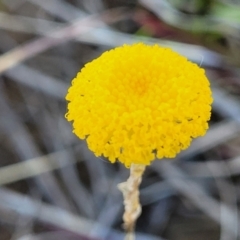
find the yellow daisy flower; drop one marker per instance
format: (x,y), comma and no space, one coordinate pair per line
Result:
(139,102)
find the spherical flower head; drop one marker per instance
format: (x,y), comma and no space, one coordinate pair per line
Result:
(139,102)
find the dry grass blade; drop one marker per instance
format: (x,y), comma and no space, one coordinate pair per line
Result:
(28,50)
(227,130)
(111,38)
(228,197)
(57,217)
(33,167)
(226,105)
(199,169)
(38,81)
(24,144)
(26,24)
(44,212)
(63,10)
(179,19)
(197,195)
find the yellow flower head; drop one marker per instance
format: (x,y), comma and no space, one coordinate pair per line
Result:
(138,102)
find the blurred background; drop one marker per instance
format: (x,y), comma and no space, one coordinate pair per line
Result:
(52,186)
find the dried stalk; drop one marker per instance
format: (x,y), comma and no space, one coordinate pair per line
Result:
(130,190)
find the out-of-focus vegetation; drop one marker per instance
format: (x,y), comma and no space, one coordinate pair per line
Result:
(52,186)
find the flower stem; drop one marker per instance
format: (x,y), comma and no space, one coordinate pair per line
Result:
(130,190)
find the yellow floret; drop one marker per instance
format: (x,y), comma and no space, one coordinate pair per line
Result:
(138,102)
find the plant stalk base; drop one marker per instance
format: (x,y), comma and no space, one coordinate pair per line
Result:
(130,190)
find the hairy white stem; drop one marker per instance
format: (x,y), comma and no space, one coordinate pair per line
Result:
(130,190)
